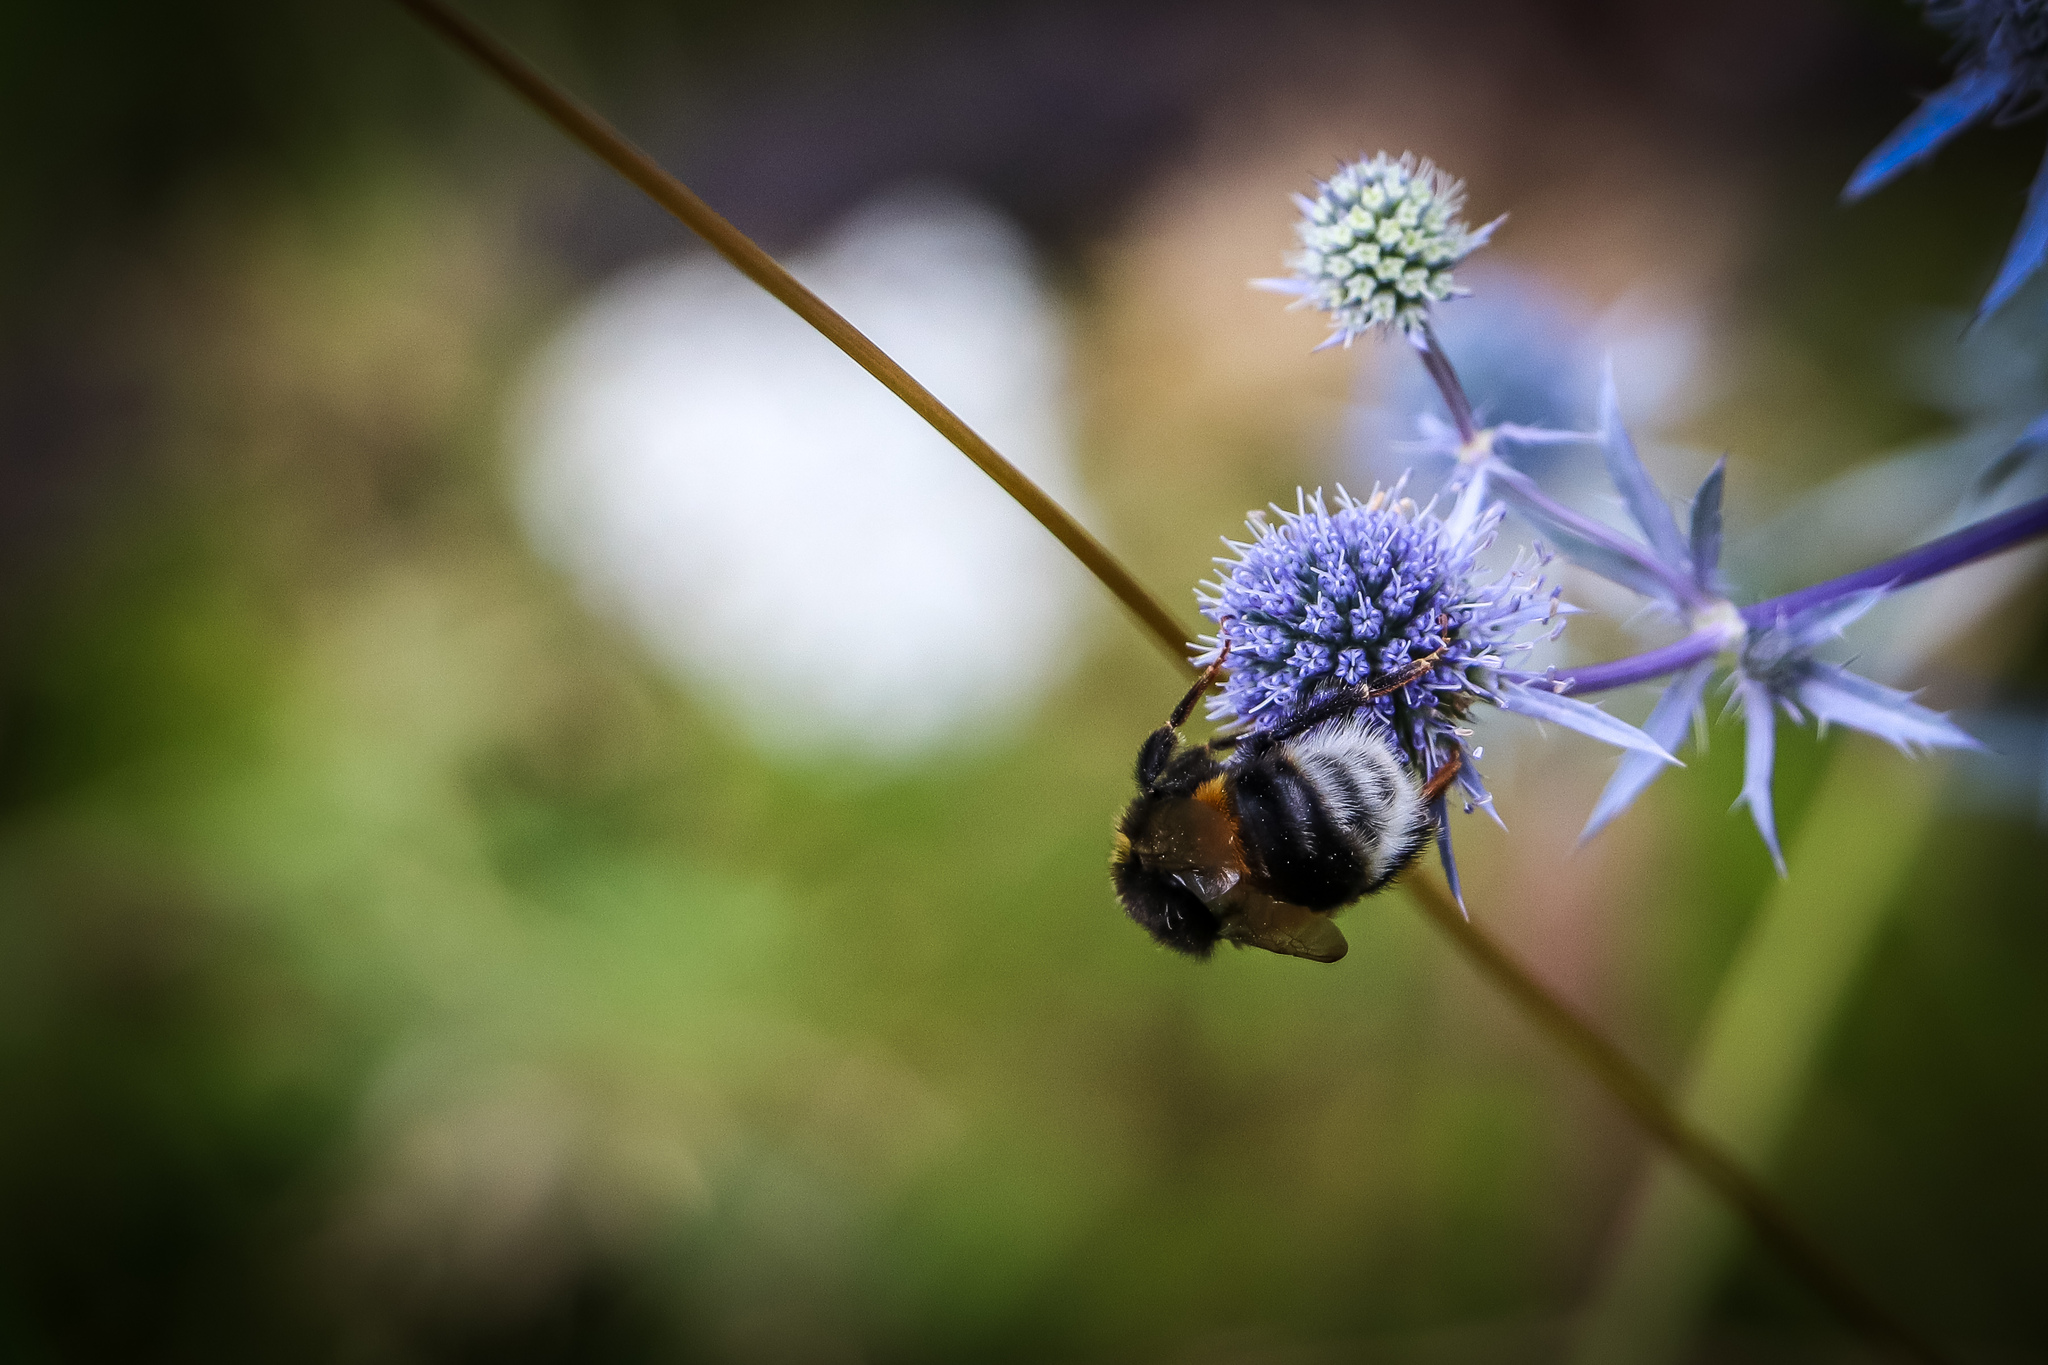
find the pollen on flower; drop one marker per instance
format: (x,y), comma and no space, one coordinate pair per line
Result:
(1378,241)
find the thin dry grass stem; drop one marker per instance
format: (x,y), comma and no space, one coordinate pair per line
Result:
(1636,1092)
(605,143)
(1645,1101)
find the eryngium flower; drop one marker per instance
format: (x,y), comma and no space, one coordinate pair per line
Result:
(1378,242)
(2002,69)
(1778,668)
(1775,664)
(2008,36)
(1336,598)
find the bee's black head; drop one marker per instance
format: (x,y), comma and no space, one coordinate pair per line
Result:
(1166,909)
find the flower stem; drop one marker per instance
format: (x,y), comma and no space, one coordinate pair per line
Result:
(1637,1093)
(1447,382)
(1980,540)
(1645,1102)
(1525,492)
(609,146)
(1636,668)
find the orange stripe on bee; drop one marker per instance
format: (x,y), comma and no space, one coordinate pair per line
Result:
(1211,794)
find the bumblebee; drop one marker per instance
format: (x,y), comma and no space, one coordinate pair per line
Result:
(1259,846)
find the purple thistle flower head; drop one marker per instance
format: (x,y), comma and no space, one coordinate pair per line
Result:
(1336,596)
(1378,241)
(1330,597)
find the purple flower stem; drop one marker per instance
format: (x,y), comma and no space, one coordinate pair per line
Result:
(1525,489)
(1974,542)
(1447,382)
(1636,668)
(1986,538)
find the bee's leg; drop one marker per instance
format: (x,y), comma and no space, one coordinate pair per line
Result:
(1347,700)
(1202,684)
(1327,707)
(1441,778)
(1158,751)
(1401,677)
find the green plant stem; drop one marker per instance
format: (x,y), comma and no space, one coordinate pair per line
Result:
(1762,1042)
(1606,1063)
(1645,1101)
(605,143)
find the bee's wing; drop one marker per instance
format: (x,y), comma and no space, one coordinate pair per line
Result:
(1212,884)
(1259,921)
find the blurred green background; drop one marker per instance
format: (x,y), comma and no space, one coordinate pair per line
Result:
(398,962)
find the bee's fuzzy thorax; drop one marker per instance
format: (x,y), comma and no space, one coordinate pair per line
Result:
(1172,914)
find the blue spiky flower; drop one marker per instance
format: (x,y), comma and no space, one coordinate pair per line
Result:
(1772,645)
(2001,72)
(1378,241)
(1322,598)
(2007,36)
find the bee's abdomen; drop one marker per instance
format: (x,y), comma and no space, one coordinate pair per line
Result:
(1331,816)
(1294,837)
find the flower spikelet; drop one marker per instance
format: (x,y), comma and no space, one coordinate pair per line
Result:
(2001,74)
(2008,36)
(1339,596)
(1378,241)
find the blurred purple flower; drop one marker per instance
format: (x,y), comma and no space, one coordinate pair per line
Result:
(1775,666)
(2001,70)
(1678,570)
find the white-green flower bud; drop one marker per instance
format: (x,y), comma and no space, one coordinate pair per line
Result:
(1379,237)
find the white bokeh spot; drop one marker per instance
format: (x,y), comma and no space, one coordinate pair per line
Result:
(781,531)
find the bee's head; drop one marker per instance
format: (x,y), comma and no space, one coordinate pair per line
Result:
(1160,901)
(1179,874)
